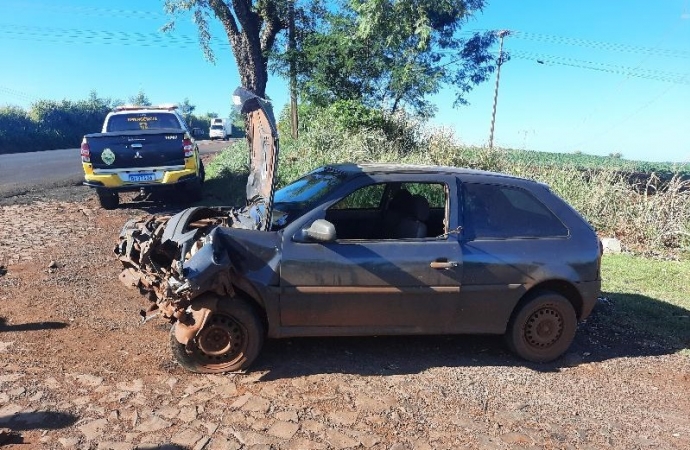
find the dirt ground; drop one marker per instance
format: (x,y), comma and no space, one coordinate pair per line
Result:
(78,371)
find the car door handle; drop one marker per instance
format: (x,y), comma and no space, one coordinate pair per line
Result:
(443,264)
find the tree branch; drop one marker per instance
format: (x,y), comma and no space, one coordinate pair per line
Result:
(272,26)
(249,20)
(222,11)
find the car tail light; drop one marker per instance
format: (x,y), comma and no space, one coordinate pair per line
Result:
(188,147)
(85,151)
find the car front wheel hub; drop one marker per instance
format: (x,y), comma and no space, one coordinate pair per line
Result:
(222,337)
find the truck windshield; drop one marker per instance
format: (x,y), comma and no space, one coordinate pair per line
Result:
(142,121)
(216,127)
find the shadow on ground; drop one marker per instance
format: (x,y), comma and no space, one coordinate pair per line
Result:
(158,202)
(69,189)
(43,420)
(228,189)
(35,326)
(610,332)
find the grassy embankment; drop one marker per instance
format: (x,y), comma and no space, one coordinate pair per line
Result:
(648,294)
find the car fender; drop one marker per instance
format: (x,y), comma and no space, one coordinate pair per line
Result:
(189,326)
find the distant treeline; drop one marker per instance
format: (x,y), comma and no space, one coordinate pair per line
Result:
(51,124)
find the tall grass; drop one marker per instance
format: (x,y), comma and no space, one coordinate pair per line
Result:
(647,219)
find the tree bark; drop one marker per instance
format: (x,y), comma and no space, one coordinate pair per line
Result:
(251,39)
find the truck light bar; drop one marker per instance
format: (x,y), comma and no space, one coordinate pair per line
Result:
(164,107)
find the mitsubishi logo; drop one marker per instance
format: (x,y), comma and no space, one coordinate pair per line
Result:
(137,155)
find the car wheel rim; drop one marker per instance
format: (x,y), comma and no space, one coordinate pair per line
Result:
(544,328)
(221,340)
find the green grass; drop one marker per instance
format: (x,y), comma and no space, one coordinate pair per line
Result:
(584,161)
(650,298)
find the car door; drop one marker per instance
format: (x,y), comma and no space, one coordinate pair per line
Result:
(508,239)
(375,285)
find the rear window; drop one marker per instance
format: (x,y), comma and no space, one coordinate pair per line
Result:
(503,212)
(142,121)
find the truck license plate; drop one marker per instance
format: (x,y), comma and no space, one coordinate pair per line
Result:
(139,177)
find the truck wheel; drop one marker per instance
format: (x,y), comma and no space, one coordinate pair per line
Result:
(108,199)
(194,191)
(202,171)
(230,340)
(542,328)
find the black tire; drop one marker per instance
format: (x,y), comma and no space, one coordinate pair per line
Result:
(108,199)
(202,171)
(542,328)
(194,191)
(230,340)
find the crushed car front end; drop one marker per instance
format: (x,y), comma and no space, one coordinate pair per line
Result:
(187,262)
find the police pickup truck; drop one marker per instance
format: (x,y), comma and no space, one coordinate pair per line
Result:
(142,148)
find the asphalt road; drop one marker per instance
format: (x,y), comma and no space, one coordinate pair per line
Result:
(20,172)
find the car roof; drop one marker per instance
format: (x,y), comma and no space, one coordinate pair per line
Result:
(353,169)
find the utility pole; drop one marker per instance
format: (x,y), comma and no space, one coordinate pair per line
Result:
(499,63)
(293,69)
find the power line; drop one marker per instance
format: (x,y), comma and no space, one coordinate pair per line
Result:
(628,117)
(649,74)
(539,56)
(89,11)
(601,45)
(80,36)
(628,76)
(19,94)
(162,40)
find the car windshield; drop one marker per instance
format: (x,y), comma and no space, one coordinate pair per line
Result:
(301,195)
(311,188)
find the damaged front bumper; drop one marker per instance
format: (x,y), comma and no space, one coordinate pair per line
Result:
(174,259)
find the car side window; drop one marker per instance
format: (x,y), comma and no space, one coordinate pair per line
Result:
(503,212)
(368,197)
(408,211)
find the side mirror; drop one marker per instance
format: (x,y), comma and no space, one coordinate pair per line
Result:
(320,231)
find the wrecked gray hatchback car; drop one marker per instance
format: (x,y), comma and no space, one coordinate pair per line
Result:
(354,249)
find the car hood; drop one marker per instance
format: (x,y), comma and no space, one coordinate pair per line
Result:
(262,136)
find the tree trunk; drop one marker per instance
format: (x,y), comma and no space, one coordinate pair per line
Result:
(251,64)
(251,44)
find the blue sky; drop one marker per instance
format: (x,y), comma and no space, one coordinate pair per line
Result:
(598,77)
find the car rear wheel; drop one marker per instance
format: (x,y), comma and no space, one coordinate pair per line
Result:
(108,199)
(230,340)
(542,328)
